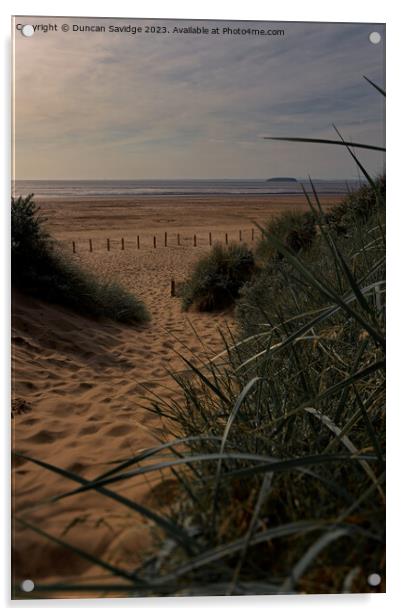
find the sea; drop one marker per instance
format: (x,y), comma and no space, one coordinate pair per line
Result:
(78,189)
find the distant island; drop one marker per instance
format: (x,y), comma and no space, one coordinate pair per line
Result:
(281,180)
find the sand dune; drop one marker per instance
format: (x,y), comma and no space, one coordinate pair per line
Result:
(78,384)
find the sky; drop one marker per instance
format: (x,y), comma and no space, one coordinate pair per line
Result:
(170,106)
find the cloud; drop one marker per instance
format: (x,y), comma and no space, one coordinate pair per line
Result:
(100,105)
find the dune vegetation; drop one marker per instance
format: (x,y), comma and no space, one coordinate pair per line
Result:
(39,268)
(217,278)
(296,230)
(291,421)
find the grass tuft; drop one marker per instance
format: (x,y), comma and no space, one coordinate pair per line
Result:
(357,207)
(217,278)
(297,231)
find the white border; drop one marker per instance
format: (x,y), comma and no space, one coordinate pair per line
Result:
(339,11)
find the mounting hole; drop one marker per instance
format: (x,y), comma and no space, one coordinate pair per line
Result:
(27,30)
(27,586)
(374,579)
(375,38)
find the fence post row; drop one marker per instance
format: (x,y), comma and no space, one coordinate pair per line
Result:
(108,243)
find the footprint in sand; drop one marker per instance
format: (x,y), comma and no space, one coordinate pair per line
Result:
(45,436)
(88,430)
(119,430)
(76,467)
(30,422)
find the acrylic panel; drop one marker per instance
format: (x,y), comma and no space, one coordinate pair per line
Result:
(198,307)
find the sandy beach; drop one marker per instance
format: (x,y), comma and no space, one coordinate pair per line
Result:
(127,216)
(79,384)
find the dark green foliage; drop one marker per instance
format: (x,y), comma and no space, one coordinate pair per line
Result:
(29,241)
(358,206)
(272,293)
(40,269)
(297,231)
(218,277)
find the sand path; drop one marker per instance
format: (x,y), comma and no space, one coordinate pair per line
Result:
(78,403)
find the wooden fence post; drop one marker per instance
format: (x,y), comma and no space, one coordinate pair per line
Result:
(172,288)
(240,236)
(138,242)
(108,244)
(210,238)
(165,239)
(226,239)
(178,239)
(90,245)
(195,240)
(122,243)
(73,246)
(252,234)
(154,241)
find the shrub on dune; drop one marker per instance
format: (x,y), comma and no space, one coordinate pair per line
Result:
(40,269)
(296,230)
(218,277)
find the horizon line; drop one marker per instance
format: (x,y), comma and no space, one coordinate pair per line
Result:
(187,179)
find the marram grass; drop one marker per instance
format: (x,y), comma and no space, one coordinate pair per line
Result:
(41,270)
